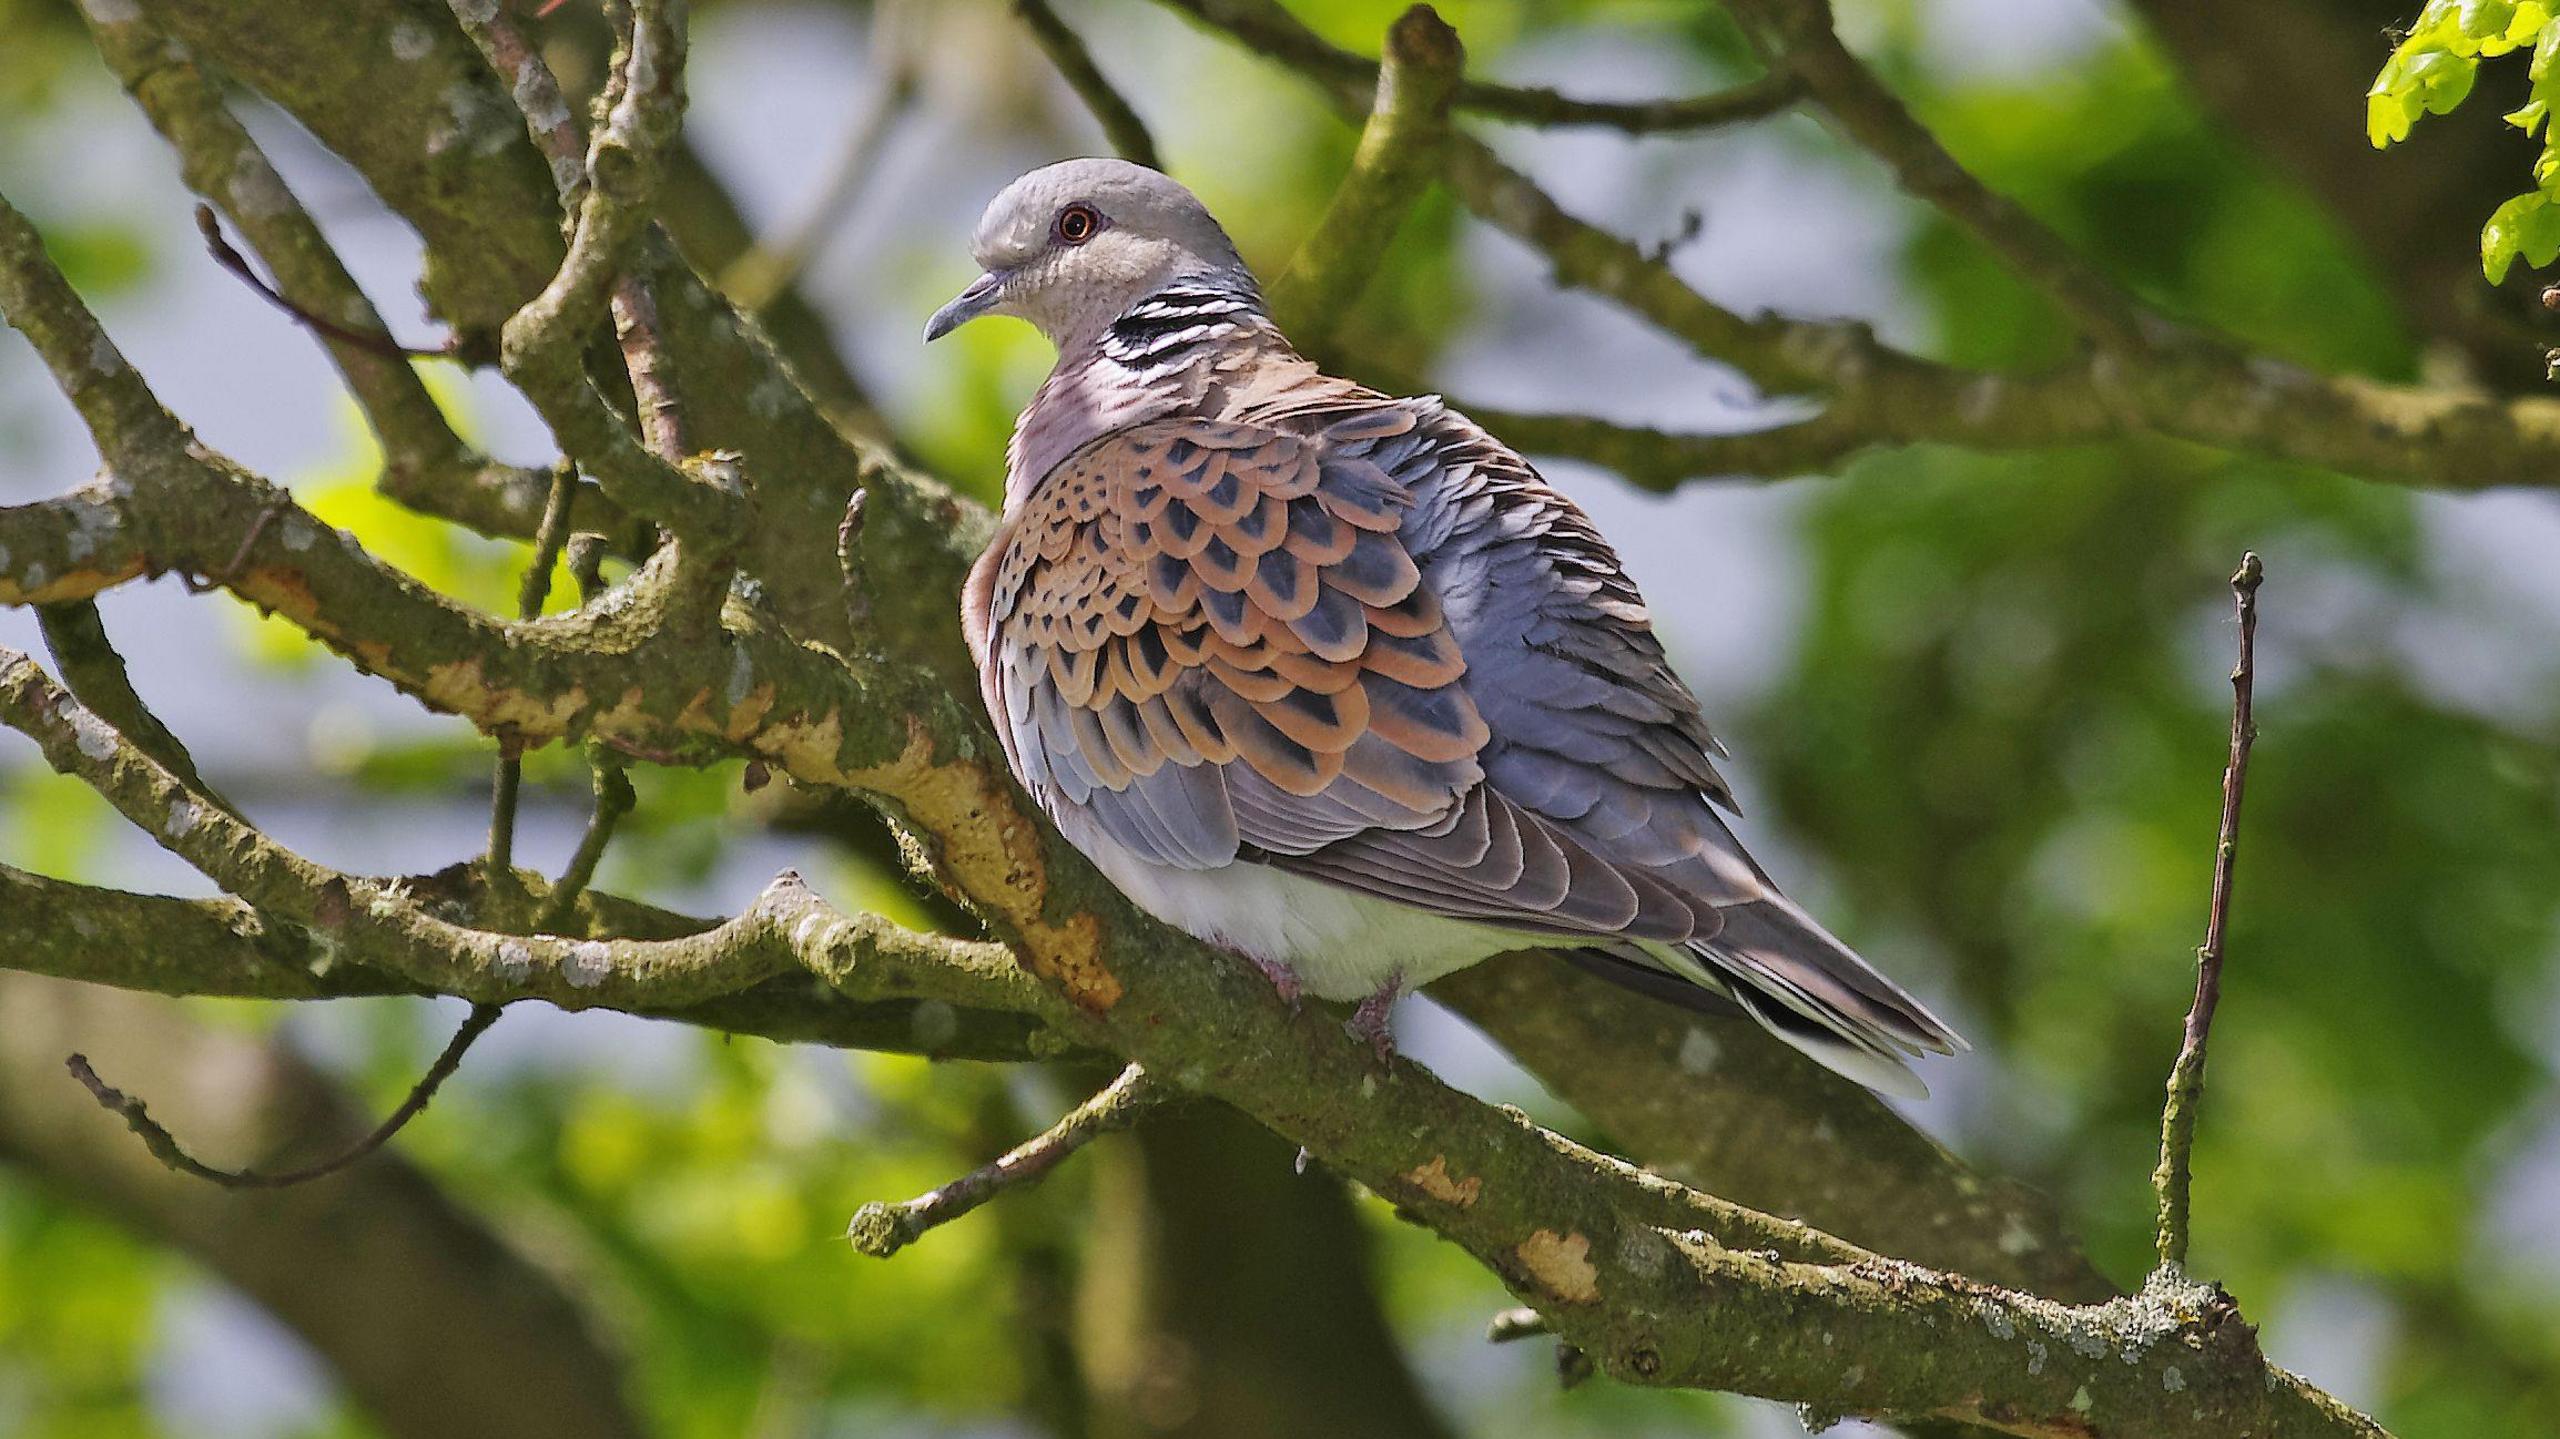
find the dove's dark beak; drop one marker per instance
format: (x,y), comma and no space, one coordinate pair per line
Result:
(969,304)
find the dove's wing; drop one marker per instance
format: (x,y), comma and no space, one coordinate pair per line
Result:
(1593,737)
(1206,638)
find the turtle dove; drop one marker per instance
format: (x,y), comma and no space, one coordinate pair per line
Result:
(1334,680)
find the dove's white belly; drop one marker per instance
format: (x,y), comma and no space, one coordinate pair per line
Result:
(1340,944)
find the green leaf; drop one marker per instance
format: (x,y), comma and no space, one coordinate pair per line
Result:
(2417,80)
(2528,225)
(2485,19)
(2443,79)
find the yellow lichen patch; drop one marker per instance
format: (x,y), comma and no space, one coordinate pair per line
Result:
(696,714)
(69,585)
(624,714)
(748,713)
(1435,1180)
(992,849)
(808,749)
(461,688)
(283,592)
(1561,1263)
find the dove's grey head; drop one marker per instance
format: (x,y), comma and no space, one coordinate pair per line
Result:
(1070,247)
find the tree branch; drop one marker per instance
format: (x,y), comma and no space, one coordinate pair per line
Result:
(485,201)
(1398,156)
(76,636)
(1112,111)
(532,589)
(1796,36)
(164,1146)
(223,948)
(124,418)
(881,1230)
(1604,1249)
(1718,1106)
(610,192)
(2175,1176)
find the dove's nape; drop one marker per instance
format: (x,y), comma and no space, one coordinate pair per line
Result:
(1335,680)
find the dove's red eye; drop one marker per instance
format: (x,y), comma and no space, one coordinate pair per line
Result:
(1077,224)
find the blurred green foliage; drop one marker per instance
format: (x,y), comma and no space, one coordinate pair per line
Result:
(1997,736)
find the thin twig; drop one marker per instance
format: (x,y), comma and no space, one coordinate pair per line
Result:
(239,560)
(1066,50)
(374,342)
(505,787)
(164,1146)
(614,799)
(653,375)
(532,590)
(2175,1175)
(881,1230)
(1797,38)
(1398,157)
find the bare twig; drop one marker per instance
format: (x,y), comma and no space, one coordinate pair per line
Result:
(376,342)
(531,591)
(164,1146)
(230,570)
(652,369)
(614,799)
(881,1230)
(505,788)
(1398,157)
(2175,1175)
(1066,50)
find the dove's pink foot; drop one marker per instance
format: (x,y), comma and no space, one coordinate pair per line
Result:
(1283,979)
(1369,1021)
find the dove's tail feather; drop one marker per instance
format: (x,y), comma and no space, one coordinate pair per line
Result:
(1775,963)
